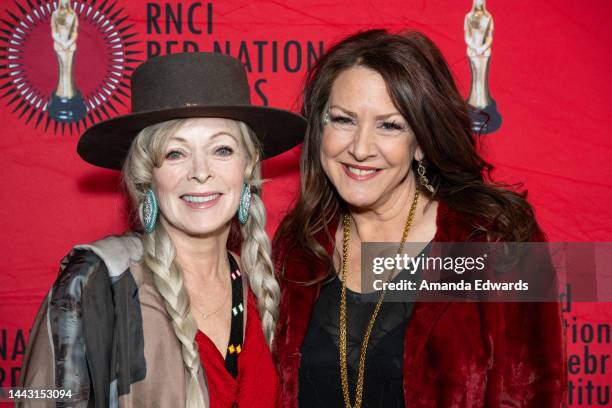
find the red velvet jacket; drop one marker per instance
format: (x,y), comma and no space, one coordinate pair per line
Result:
(455,354)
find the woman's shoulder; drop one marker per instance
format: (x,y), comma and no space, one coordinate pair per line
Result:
(101,260)
(287,242)
(116,251)
(457,225)
(454,225)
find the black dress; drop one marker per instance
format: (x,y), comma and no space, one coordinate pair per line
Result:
(319,375)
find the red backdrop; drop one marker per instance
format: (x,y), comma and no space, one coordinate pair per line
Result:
(549,75)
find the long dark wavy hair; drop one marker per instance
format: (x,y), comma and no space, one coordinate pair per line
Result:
(422,89)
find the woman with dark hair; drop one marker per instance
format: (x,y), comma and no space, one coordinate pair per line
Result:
(389,155)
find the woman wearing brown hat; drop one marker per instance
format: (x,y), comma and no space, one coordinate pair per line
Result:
(169,317)
(389,156)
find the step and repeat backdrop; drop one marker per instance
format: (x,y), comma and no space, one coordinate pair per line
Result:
(548,80)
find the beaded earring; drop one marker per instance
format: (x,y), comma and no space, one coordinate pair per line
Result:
(423,178)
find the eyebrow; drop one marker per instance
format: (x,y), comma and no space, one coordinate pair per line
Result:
(354,115)
(223,132)
(177,139)
(180,139)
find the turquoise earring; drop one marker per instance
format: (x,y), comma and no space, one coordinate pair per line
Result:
(245,204)
(149,211)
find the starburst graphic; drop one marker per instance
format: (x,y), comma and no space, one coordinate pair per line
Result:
(104,60)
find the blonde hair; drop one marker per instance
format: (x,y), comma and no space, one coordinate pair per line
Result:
(147,152)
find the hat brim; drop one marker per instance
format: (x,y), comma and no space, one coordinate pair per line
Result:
(106,144)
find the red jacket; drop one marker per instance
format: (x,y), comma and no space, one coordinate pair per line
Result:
(455,354)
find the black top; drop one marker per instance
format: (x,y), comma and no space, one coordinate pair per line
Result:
(319,375)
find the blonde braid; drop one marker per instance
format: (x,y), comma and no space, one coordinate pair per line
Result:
(159,257)
(256,248)
(255,254)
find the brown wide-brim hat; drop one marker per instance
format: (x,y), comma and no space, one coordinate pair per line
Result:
(189,85)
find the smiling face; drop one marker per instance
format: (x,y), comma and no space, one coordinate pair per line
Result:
(199,182)
(367,146)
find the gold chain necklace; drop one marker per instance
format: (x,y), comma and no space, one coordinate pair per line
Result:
(218,308)
(215,311)
(346,230)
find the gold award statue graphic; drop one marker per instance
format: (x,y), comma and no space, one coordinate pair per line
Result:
(66,104)
(478,28)
(93,45)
